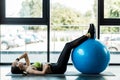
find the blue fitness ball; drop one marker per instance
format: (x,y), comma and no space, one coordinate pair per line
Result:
(90,57)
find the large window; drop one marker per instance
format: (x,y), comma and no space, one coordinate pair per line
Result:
(42,27)
(109,27)
(24,28)
(17,39)
(70,19)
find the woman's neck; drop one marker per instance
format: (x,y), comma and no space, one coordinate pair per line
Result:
(25,67)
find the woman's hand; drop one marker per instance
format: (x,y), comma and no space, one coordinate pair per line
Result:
(25,56)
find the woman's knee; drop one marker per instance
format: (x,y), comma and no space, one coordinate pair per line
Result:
(68,44)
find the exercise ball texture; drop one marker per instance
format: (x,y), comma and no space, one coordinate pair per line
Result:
(90,57)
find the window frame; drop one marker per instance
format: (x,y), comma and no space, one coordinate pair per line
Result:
(105,21)
(37,21)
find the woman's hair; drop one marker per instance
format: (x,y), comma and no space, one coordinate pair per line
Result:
(16,70)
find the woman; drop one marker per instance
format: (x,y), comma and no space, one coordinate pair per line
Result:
(51,68)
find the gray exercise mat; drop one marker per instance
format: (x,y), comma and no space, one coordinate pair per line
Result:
(66,74)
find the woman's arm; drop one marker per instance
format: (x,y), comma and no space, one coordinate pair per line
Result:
(25,56)
(17,60)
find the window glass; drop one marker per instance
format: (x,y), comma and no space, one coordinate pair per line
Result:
(17,39)
(111,8)
(69,20)
(110,36)
(23,8)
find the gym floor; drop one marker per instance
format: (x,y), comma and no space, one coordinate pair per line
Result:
(115,70)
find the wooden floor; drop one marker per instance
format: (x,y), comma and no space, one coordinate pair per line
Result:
(112,69)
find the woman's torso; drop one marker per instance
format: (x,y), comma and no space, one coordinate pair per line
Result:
(31,67)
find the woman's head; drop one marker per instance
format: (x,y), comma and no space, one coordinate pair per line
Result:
(18,68)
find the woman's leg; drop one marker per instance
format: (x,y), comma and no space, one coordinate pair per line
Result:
(61,65)
(65,54)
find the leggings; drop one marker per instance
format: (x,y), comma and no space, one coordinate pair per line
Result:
(61,65)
